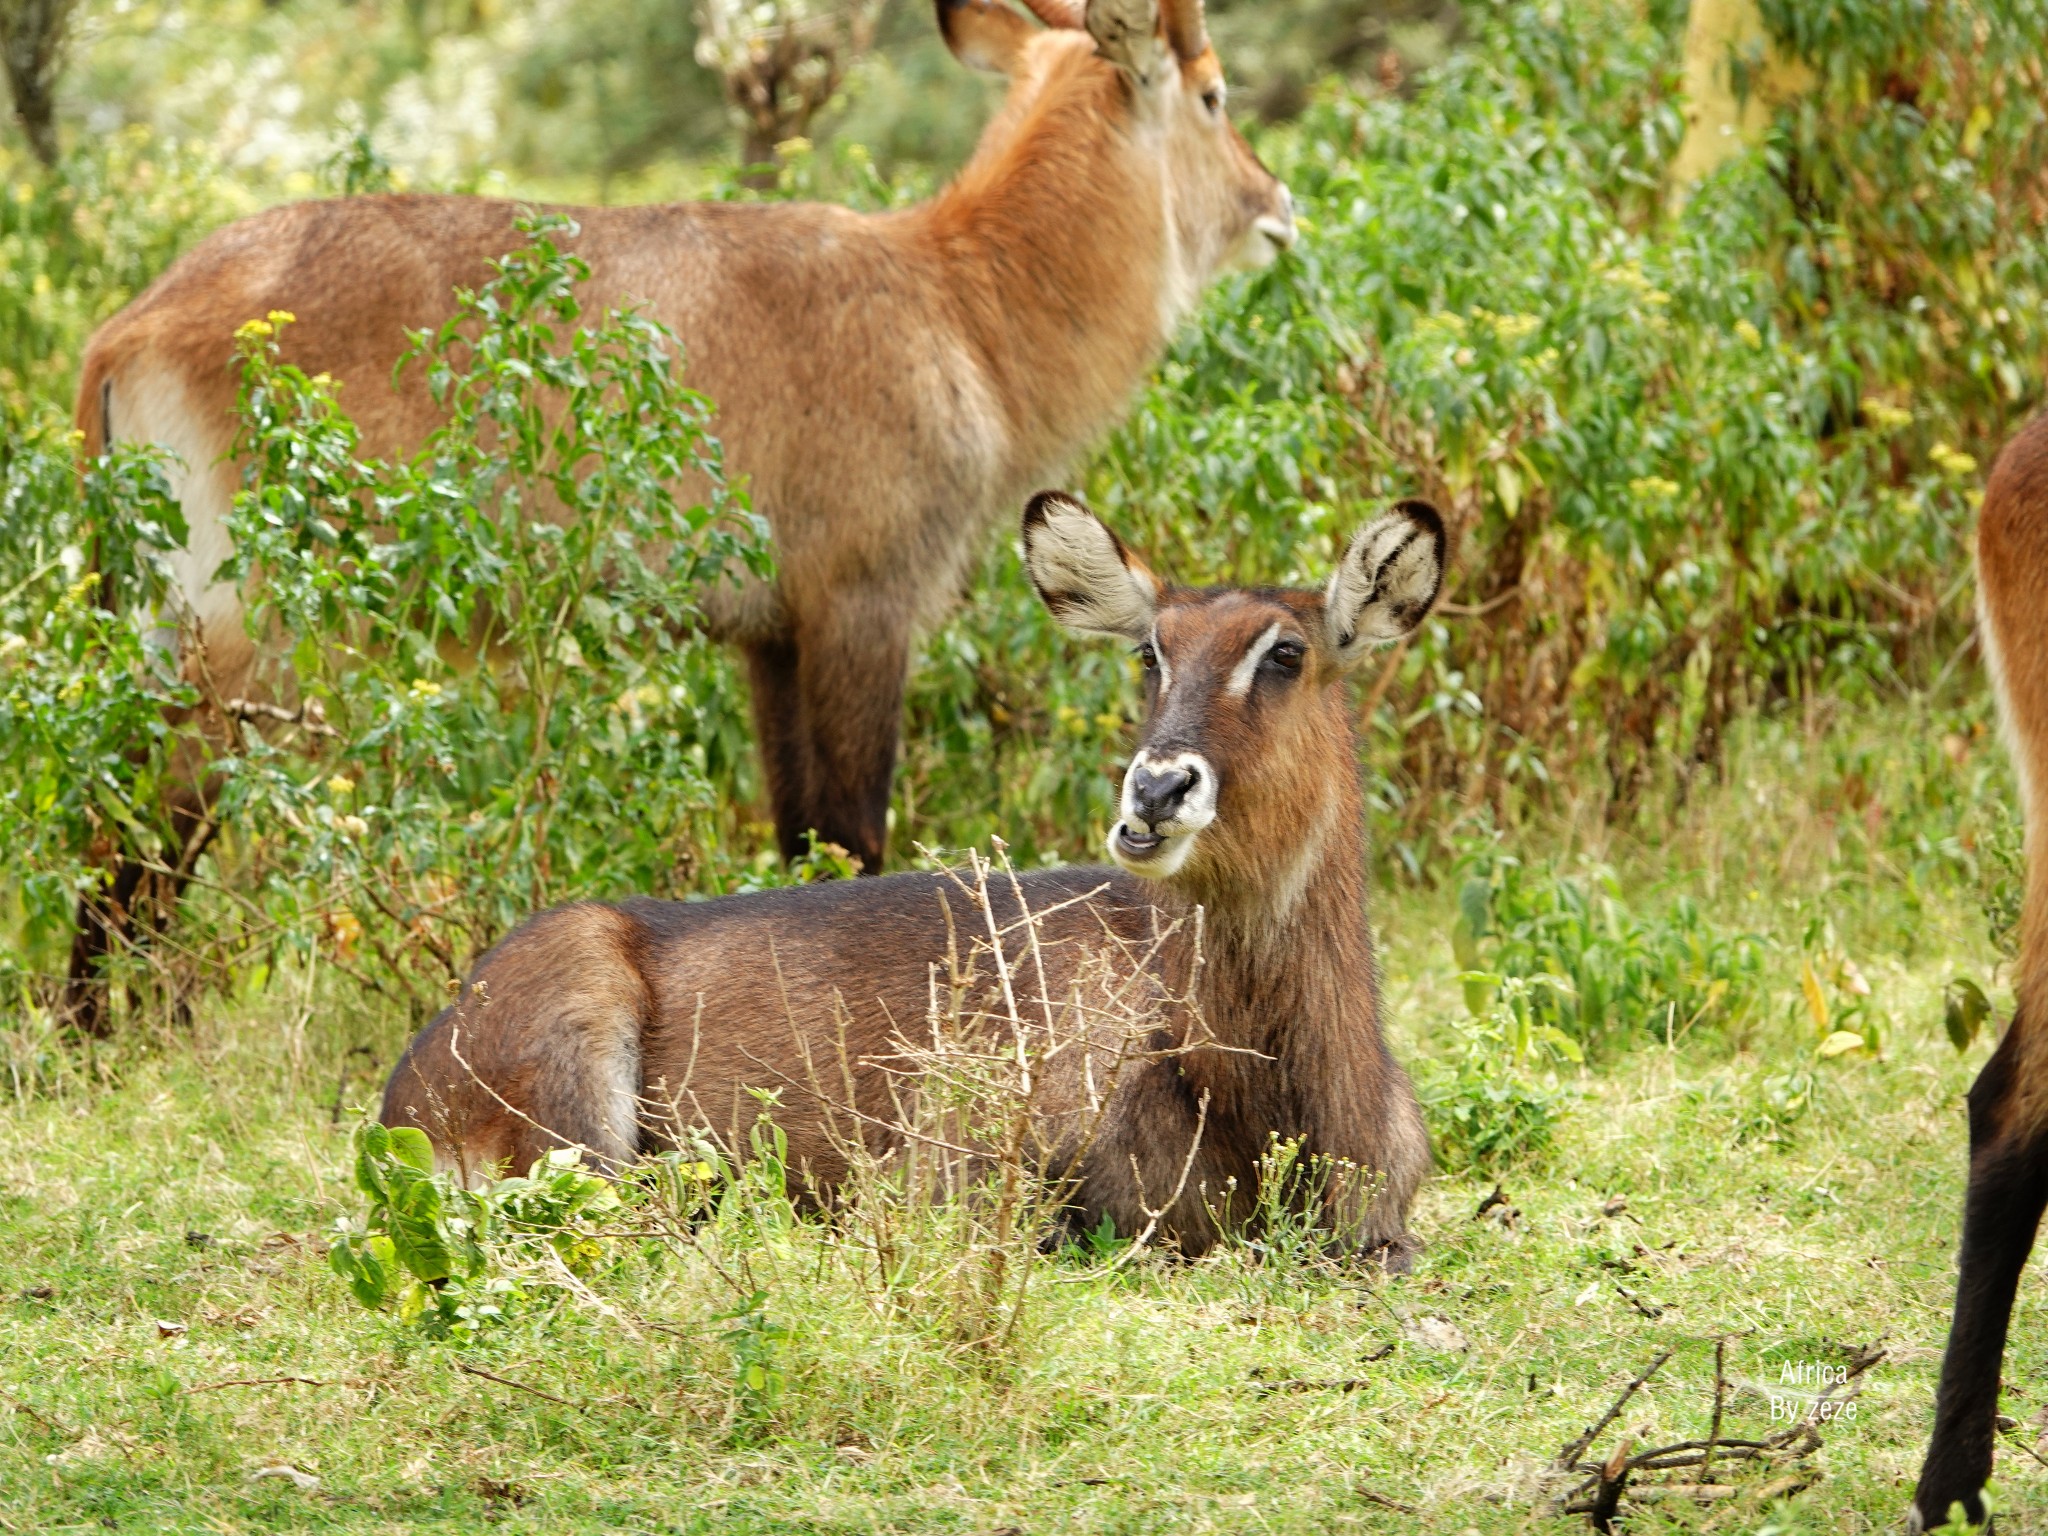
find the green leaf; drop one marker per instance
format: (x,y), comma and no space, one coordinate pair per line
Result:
(1475,907)
(1964,1008)
(410,1146)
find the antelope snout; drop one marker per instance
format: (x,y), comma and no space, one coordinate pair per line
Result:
(1166,801)
(1156,797)
(1278,226)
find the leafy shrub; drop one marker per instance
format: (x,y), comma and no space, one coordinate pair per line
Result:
(1610,977)
(86,676)
(500,636)
(77,244)
(502,694)
(1500,1101)
(1698,463)
(449,1256)
(1695,463)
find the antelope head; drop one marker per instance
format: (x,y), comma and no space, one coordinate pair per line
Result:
(1246,756)
(1223,208)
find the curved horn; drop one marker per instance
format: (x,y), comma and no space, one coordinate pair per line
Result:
(1064,15)
(1185,28)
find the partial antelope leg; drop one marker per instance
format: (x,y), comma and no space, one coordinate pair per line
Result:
(2008,1189)
(136,894)
(850,675)
(783,738)
(106,922)
(2009,1101)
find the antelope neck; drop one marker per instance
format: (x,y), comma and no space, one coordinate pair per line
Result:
(1057,243)
(1268,975)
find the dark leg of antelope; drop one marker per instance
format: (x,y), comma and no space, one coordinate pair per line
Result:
(136,895)
(193,827)
(2008,1188)
(851,674)
(105,924)
(784,740)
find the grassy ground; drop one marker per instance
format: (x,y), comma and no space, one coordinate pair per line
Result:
(172,1328)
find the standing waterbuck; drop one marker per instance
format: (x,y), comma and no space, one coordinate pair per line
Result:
(2008,1185)
(885,383)
(1239,900)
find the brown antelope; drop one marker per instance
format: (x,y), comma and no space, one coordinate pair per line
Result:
(2008,1184)
(1242,800)
(887,383)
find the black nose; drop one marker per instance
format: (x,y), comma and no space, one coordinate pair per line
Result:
(1157,796)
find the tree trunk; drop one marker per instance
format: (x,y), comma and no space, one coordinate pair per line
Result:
(1734,77)
(32,38)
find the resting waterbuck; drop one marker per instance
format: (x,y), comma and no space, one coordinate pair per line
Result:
(1242,803)
(2008,1185)
(886,383)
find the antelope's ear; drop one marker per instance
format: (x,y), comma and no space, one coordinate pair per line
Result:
(1092,584)
(984,34)
(1126,33)
(1387,580)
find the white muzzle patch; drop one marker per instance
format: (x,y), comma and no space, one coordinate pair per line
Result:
(1160,850)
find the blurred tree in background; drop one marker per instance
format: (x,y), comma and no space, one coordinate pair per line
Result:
(33,35)
(782,61)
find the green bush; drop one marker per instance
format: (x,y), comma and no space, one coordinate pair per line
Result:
(450,1258)
(1608,976)
(500,634)
(1499,1102)
(77,244)
(86,679)
(501,696)
(1698,464)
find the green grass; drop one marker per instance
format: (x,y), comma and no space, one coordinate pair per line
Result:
(1129,1401)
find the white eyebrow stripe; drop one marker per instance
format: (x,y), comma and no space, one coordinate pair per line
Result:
(1165,672)
(1241,675)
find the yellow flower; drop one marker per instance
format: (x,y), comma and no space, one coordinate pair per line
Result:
(341,784)
(281,317)
(1953,460)
(422,689)
(354,826)
(1748,334)
(1883,415)
(249,330)
(1654,487)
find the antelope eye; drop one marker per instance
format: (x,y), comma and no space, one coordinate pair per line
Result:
(1212,99)
(1148,658)
(1286,655)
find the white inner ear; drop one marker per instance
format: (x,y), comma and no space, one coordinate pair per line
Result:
(1081,575)
(1384,585)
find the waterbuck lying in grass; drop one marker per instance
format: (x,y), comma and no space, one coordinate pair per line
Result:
(1236,911)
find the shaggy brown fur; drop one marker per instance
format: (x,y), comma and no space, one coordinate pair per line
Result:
(886,383)
(590,1008)
(2008,1185)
